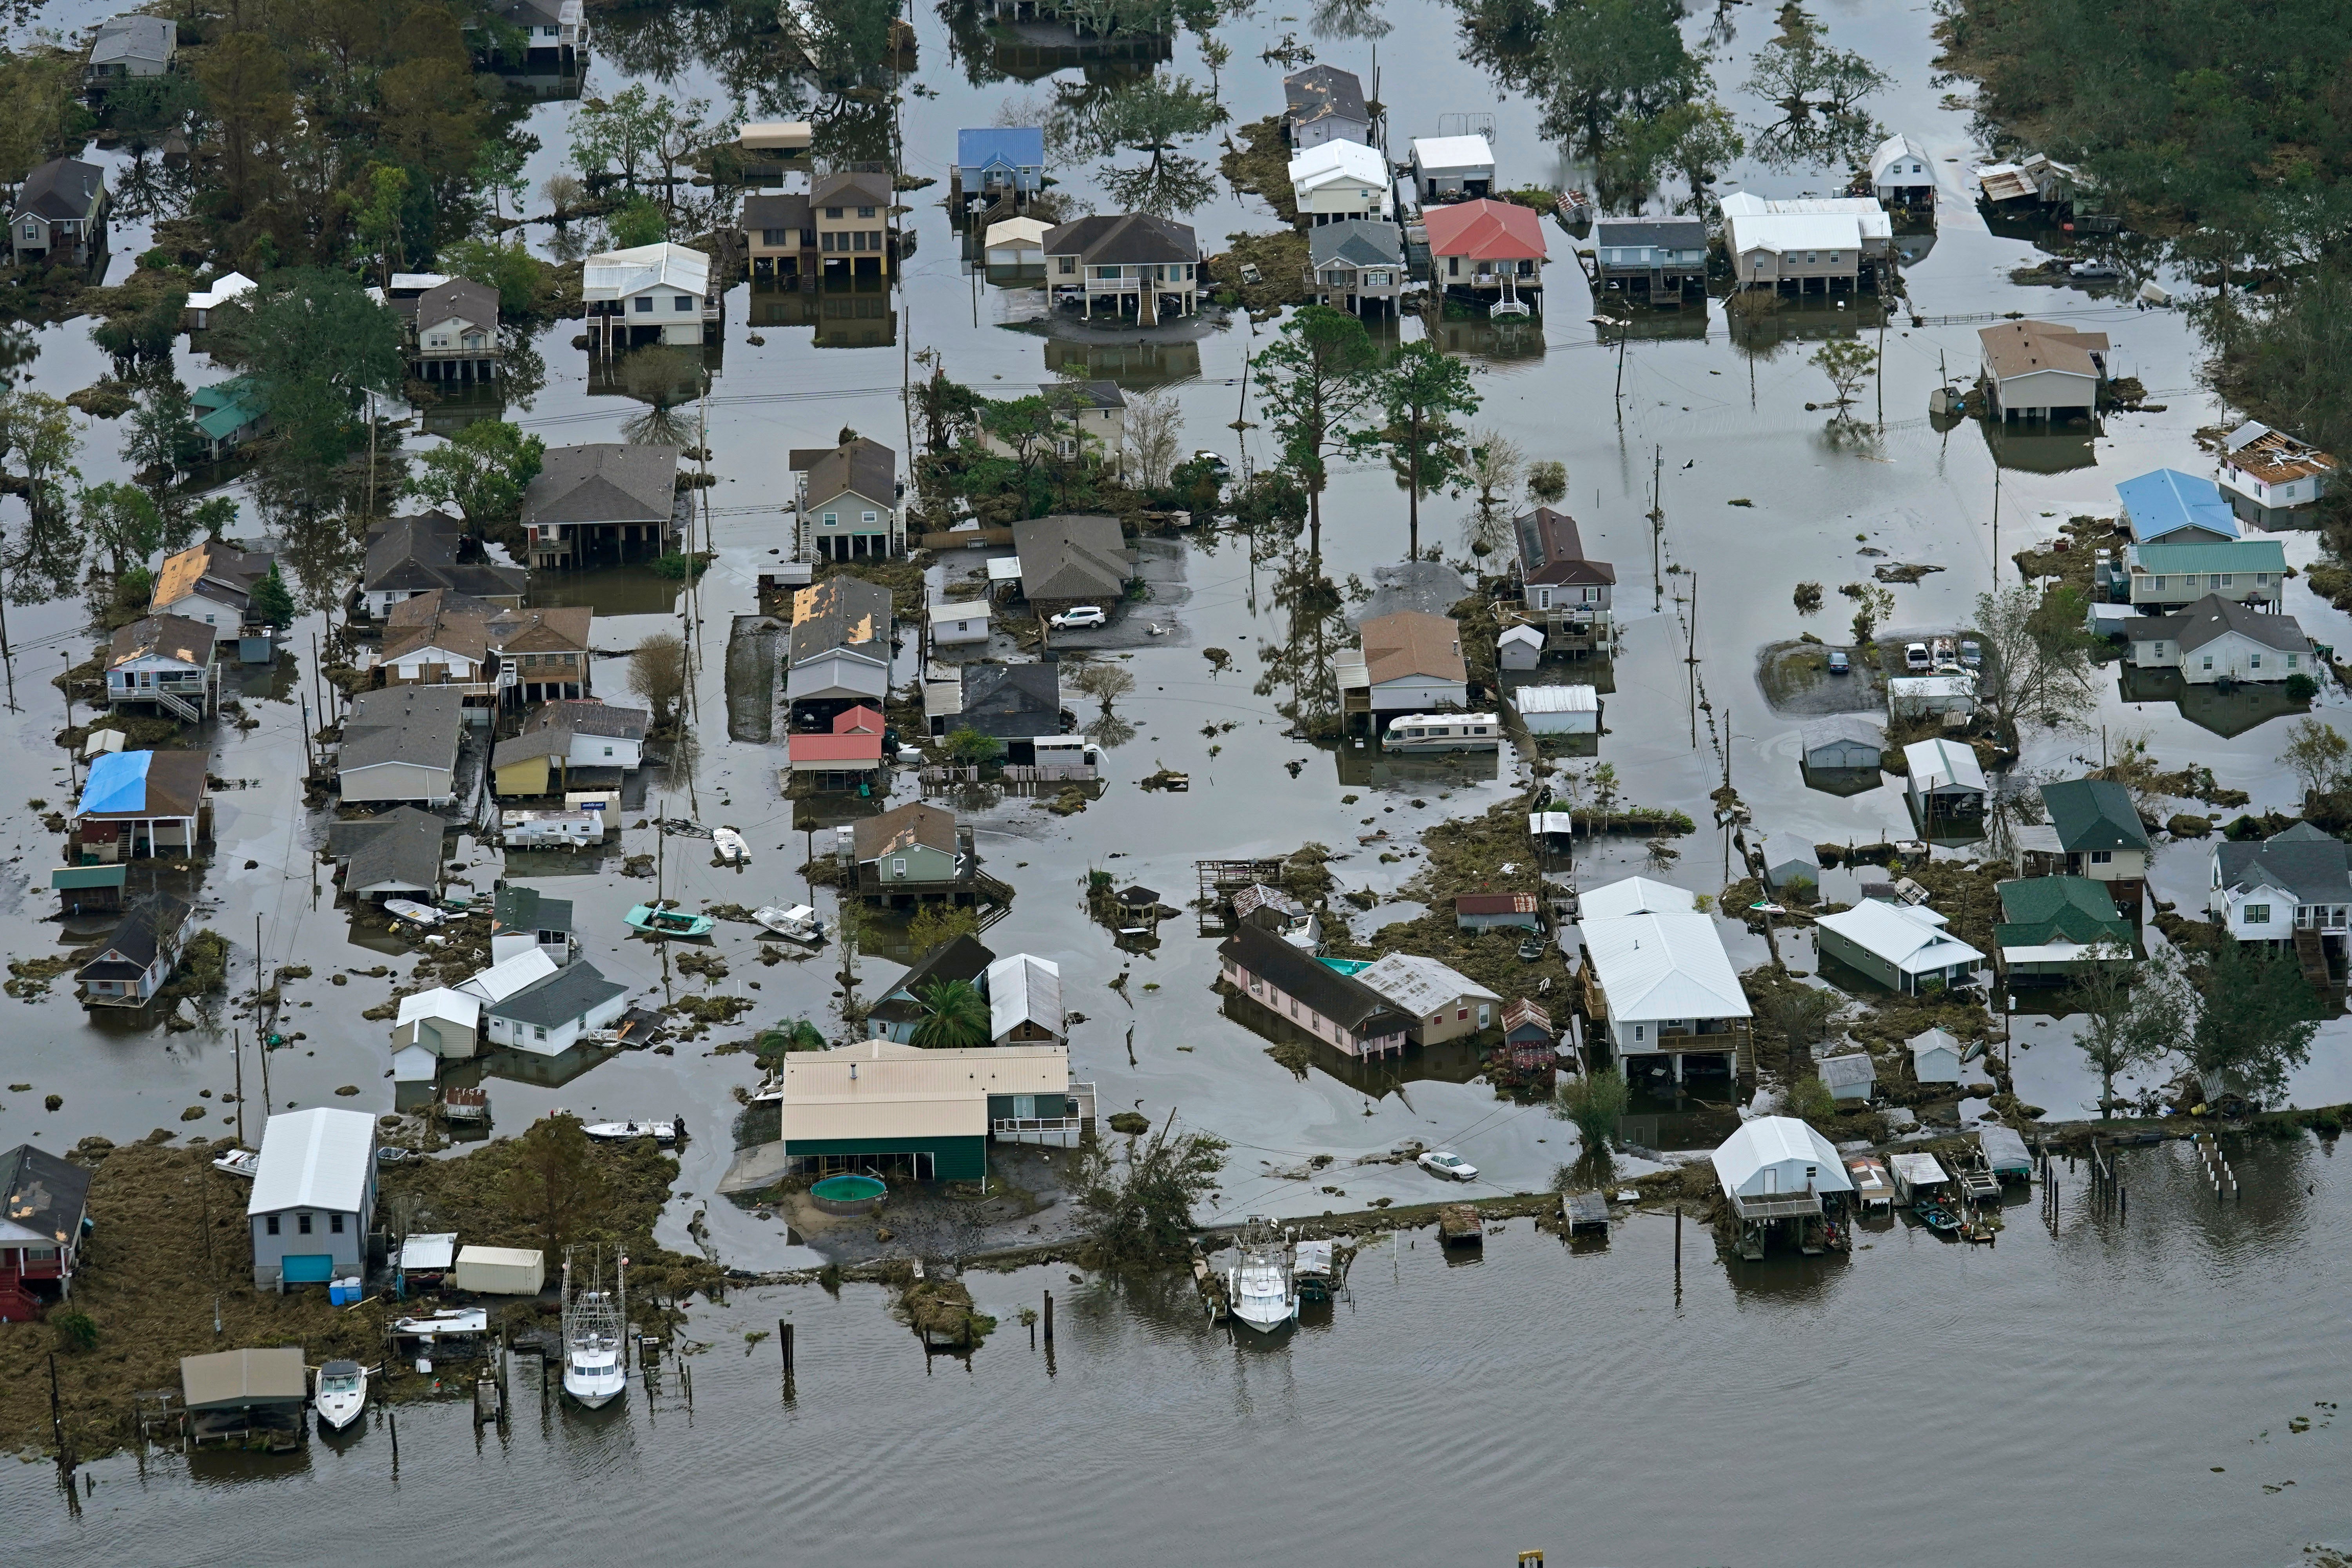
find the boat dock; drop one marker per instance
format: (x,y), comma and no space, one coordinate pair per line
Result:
(1215,1298)
(1580,1213)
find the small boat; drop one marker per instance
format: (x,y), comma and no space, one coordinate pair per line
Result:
(342,1393)
(393,1154)
(594,1320)
(1444,732)
(1767,907)
(797,921)
(730,848)
(1531,948)
(618,1131)
(238,1162)
(1315,1268)
(1936,1216)
(1261,1287)
(654,921)
(412,911)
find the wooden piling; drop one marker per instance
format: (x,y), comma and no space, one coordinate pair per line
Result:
(1049,1327)
(1678,1247)
(392,1424)
(784,1334)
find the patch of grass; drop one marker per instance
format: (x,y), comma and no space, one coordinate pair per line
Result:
(1261,164)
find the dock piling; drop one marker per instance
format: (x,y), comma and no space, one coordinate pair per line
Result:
(1049,1317)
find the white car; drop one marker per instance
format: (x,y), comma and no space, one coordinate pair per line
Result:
(1078,617)
(1446,1162)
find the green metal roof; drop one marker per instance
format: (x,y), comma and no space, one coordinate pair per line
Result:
(2040,909)
(65,877)
(2233,556)
(2094,814)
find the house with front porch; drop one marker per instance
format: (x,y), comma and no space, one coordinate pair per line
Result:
(778,233)
(916,854)
(1357,266)
(600,500)
(396,854)
(1651,256)
(1660,990)
(1560,584)
(132,965)
(1799,253)
(925,1115)
(2054,930)
(1259,967)
(1488,251)
(452,331)
(1135,262)
(848,499)
(2094,831)
(44,1219)
(660,293)
(1409,662)
(2218,640)
(2162,578)
(1902,947)
(59,214)
(1452,169)
(1341,182)
(999,164)
(2295,886)
(570,745)
(142,804)
(164,662)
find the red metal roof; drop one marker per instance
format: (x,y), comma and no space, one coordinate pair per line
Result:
(860,747)
(1485,231)
(851,720)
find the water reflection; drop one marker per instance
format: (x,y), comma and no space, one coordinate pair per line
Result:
(616,590)
(2224,712)
(1132,361)
(846,312)
(2042,449)
(1761,323)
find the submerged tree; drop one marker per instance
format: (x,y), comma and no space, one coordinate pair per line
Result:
(1136,1207)
(2033,668)
(2256,1020)
(1155,115)
(1422,391)
(1819,91)
(1847,362)
(1318,383)
(2132,1012)
(1496,464)
(552,1184)
(658,674)
(1595,1103)
(1612,68)
(481,472)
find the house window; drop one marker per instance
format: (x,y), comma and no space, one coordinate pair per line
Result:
(1069,263)
(302,1223)
(832,519)
(2158,648)
(866,518)
(2261,578)
(1462,1014)
(2256,915)
(2258,661)
(608,751)
(335,1224)
(2103,856)
(1543,598)
(2221,580)
(865,211)
(2292,659)
(1454,266)
(824,241)
(539,1031)
(857,239)
(898,865)
(2156,585)
(2208,662)
(1640,1030)
(645,304)
(682,302)
(833,212)
(774,238)
(271,1224)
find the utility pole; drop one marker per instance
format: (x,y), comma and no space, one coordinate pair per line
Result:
(236,1046)
(1657,529)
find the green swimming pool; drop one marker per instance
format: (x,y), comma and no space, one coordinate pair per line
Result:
(848,1195)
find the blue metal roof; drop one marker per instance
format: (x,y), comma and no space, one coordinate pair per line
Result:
(1019,146)
(2169,500)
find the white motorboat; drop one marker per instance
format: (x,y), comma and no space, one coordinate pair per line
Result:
(620,1132)
(1444,732)
(730,848)
(238,1162)
(596,1325)
(342,1393)
(1261,1287)
(412,911)
(797,921)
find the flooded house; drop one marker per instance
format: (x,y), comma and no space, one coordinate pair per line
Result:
(855,236)
(132,964)
(659,293)
(959,623)
(2218,641)
(1442,1002)
(1851,1080)
(1306,991)
(1799,253)
(1409,662)
(88,889)
(401,743)
(1498,911)
(1015,247)
(1072,559)
(1902,177)
(1124,262)
(780,234)
(2092,829)
(497,656)
(1089,420)
(313,1200)
(1271,909)
(1025,1002)
(506,976)
(2294,887)
(900,1007)
(196,315)
(59,215)
(1791,865)
(1340,183)
(127,47)
(1902,947)
(1951,698)
(2055,929)
(1491,253)
(914,854)
(1325,104)
(1015,704)
(451,332)
(1874,226)
(1842,743)
(2162,578)
(1935,1057)
(229,414)
(1653,256)
(445,1022)
(564,746)
(839,650)
(1452,168)
(254,1398)
(1559,582)
(600,502)
(210,582)
(417,554)
(2166,506)
(1519,647)
(1660,989)
(523,919)
(927,1115)
(1776,1171)
(1636,896)
(395,855)
(849,500)
(164,662)
(44,1219)
(2040,370)
(1559,710)
(136,804)
(2275,476)
(1943,779)
(553,30)
(999,165)
(551,1014)
(1528,1037)
(771,150)
(848,756)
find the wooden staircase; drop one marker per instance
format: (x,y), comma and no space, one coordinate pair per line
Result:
(2312,953)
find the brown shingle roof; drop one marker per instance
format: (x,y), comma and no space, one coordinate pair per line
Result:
(1552,552)
(1409,643)
(908,825)
(174,636)
(603,482)
(2021,347)
(864,468)
(853,190)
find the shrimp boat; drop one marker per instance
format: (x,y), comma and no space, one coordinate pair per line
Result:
(594,1323)
(1262,1286)
(342,1395)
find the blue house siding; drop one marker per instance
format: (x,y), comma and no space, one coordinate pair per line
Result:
(1010,158)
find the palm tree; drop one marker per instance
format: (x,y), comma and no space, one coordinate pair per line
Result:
(955,1015)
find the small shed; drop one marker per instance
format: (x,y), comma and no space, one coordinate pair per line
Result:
(425,1259)
(1935,1057)
(1791,864)
(1946,779)
(959,621)
(1527,1036)
(246,1395)
(1850,1078)
(1948,697)
(1559,710)
(415,1064)
(1917,1176)
(88,889)
(445,1022)
(1486,911)
(1842,742)
(500,1271)
(1519,647)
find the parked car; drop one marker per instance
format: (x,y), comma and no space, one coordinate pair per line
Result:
(1971,652)
(1916,657)
(2094,269)
(1446,1162)
(1839,663)
(1078,616)
(1212,458)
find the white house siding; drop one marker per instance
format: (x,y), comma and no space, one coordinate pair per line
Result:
(1417,695)
(196,607)
(2239,658)
(2042,390)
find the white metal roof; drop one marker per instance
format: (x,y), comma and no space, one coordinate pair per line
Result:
(1917,1168)
(1420,985)
(959,610)
(1932,685)
(1772,1142)
(436,1250)
(1904,150)
(1871,220)
(1340,160)
(1906,936)
(1927,1040)
(1024,988)
(1943,764)
(1022,231)
(1784,232)
(1523,633)
(1434,152)
(1636,896)
(1557,700)
(234,286)
(500,981)
(420,281)
(617,274)
(442,1004)
(1657,966)
(319,1159)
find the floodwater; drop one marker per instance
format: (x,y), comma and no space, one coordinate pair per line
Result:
(1913,1377)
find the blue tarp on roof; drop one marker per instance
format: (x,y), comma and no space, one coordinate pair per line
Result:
(1021,146)
(118,782)
(2167,500)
